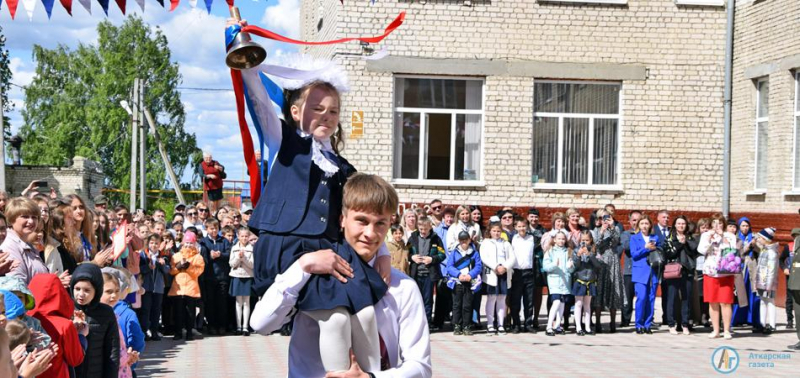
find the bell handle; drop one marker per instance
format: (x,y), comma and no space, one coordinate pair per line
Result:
(235,13)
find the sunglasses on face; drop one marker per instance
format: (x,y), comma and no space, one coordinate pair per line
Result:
(202,210)
(436,207)
(191,213)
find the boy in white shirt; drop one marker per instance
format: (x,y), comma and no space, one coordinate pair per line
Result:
(523,281)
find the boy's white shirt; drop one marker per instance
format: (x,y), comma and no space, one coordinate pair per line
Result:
(400,315)
(523,247)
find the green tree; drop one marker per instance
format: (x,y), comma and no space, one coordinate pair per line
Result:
(72,107)
(5,79)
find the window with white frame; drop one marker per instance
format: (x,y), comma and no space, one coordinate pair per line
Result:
(438,130)
(796,181)
(762,133)
(576,129)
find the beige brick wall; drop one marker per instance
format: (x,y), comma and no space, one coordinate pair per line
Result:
(84,177)
(672,122)
(766,33)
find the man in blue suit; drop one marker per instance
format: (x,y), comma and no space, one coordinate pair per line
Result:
(662,230)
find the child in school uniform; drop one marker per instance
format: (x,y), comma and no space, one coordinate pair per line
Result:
(463,268)
(154,269)
(523,282)
(215,280)
(558,265)
(767,277)
(241,261)
(303,204)
(498,261)
(584,287)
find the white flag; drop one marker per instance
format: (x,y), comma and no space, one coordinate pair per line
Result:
(194,3)
(29,5)
(141,4)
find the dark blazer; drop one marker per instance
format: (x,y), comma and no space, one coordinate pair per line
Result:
(436,253)
(300,200)
(683,253)
(216,269)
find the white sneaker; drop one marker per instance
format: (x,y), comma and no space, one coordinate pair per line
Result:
(501,330)
(491,331)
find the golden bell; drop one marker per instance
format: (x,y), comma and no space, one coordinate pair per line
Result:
(244,53)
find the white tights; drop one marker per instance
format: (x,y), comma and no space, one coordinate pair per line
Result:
(339,332)
(583,312)
(767,313)
(555,315)
(242,312)
(491,301)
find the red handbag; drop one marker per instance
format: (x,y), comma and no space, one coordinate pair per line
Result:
(672,271)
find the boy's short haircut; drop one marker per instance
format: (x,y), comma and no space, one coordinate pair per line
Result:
(396,227)
(425,220)
(369,193)
(193,229)
(161,223)
(239,231)
(533,211)
(449,210)
(211,222)
(521,219)
(227,229)
(18,333)
(155,237)
(19,206)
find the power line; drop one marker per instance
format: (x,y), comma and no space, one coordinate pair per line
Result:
(204,89)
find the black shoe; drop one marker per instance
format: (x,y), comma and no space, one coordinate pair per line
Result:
(581,333)
(639,331)
(246,333)
(790,325)
(468,331)
(625,324)
(597,329)
(237,332)
(768,330)
(533,330)
(648,331)
(549,332)
(433,329)
(794,347)
(189,336)
(457,330)
(178,336)
(613,328)
(593,332)
(515,330)
(156,338)
(561,331)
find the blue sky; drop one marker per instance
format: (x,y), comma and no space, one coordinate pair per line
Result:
(195,38)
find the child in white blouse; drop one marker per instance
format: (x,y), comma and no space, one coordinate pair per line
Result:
(498,261)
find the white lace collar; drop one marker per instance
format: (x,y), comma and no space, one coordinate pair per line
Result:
(328,167)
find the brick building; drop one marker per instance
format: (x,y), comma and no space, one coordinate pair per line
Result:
(559,103)
(83,177)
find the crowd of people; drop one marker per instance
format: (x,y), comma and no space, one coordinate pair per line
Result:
(714,273)
(77,307)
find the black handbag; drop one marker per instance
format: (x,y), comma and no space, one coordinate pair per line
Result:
(655,259)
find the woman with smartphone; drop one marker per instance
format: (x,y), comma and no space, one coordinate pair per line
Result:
(611,283)
(644,277)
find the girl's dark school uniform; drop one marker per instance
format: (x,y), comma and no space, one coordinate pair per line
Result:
(585,275)
(299,214)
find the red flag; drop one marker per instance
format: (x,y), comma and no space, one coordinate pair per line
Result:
(12,7)
(67,4)
(247,139)
(118,239)
(230,2)
(173,4)
(121,5)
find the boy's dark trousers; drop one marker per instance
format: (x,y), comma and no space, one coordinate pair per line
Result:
(627,312)
(426,289)
(462,304)
(185,308)
(444,303)
(167,319)
(215,301)
(789,305)
(522,288)
(149,312)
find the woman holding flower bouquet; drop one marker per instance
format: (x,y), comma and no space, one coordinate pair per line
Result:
(720,251)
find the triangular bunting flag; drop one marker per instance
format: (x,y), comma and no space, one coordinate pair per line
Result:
(12,7)
(30,6)
(48,7)
(67,4)
(208,5)
(121,5)
(230,2)
(87,4)
(173,4)
(161,2)
(104,5)
(193,3)
(141,4)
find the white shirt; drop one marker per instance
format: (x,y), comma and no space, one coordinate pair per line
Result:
(400,315)
(523,251)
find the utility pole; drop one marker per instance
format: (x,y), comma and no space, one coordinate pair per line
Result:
(2,144)
(142,149)
(164,156)
(134,141)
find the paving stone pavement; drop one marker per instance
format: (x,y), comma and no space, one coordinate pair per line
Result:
(623,354)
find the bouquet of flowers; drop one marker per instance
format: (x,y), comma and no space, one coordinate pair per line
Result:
(729,261)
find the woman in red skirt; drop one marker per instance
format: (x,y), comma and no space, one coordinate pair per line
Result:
(717,287)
